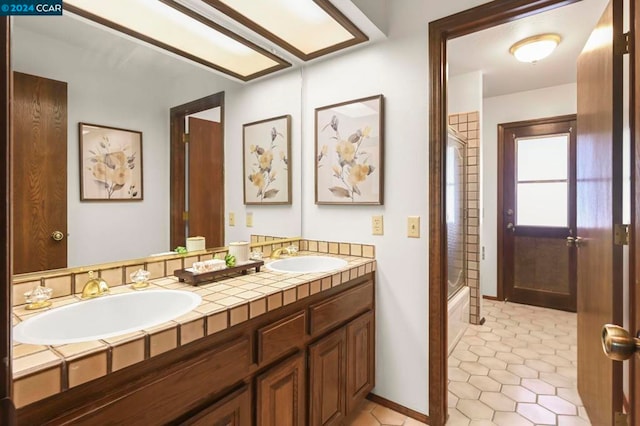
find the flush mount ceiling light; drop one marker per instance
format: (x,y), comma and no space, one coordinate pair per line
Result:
(180,30)
(306,28)
(533,49)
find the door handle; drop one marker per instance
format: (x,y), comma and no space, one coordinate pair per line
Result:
(511,227)
(578,242)
(57,235)
(618,344)
(571,241)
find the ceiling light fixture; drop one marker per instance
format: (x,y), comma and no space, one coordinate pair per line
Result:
(177,29)
(533,49)
(306,28)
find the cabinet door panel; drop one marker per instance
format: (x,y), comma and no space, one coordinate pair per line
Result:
(360,359)
(281,394)
(327,362)
(234,410)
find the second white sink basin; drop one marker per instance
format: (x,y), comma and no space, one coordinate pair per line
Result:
(106,316)
(307,264)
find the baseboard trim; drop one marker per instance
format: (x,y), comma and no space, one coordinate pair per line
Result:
(398,408)
(484,296)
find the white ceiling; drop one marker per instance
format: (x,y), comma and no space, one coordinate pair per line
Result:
(488,50)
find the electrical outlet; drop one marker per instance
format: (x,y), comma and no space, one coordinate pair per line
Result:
(232,219)
(377,225)
(249,220)
(413,227)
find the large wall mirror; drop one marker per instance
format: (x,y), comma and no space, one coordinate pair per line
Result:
(119,82)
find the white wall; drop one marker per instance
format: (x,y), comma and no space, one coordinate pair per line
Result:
(125,98)
(268,98)
(465,93)
(547,102)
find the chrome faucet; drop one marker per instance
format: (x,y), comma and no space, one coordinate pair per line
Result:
(95,287)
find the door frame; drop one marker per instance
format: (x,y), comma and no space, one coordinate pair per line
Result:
(7,410)
(502,130)
(177,162)
(634,229)
(472,20)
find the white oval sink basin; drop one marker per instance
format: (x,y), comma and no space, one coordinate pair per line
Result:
(106,316)
(307,264)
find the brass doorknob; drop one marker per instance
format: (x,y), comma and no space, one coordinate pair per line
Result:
(578,242)
(57,235)
(571,242)
(618,344)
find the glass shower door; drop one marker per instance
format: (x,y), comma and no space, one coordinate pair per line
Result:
(456,213)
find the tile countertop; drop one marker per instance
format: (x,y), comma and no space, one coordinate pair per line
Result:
(228,301)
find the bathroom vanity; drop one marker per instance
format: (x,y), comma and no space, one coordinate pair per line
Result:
(305,358)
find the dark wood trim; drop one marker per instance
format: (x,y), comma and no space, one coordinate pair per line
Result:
(177,195)
(7,409)
(398,408)
(280,63)
(476,19)
(326,5)
(634,229)
(484,296)
(559,232)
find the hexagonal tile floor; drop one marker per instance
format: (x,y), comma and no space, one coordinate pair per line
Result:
(519,368)
(371,414)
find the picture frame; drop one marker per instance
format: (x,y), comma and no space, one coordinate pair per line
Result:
(349,152)
(266,155)
(110,163)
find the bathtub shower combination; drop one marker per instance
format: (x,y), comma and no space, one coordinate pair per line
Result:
(456,193)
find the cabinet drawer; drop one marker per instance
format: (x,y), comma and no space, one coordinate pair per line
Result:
(281,337)
(233,410)
(340,308)
(182,389)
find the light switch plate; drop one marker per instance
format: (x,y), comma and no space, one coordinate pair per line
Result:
(377,225)
(232,219)
(413,227)
(249,220)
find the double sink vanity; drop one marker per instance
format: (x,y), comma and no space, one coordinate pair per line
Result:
(290,345)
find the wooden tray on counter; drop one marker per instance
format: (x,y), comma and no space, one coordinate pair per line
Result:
(192,278)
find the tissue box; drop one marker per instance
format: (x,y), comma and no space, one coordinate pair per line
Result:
(195,244)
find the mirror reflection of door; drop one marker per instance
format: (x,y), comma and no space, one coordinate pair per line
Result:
(39,154)
(197,171)
(538,212)
(205,171)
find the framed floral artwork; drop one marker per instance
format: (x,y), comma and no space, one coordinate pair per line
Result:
(266,155)
(110,163)
(349,152)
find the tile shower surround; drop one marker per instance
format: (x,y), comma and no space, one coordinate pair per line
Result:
(468,126)
(42,371)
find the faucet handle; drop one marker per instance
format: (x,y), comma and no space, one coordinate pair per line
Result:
(38,298)
(292,250)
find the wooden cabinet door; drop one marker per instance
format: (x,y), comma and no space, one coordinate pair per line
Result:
(281,394)
(327,365)
(234,410)
(360,359)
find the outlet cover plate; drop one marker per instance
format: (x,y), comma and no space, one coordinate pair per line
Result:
(377,225)
(232,219)
(249,220)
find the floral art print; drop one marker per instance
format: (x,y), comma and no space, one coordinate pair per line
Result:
(349,152)
(267,153)
(110,163)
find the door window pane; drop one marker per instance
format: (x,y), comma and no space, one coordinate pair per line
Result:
(543,158)
(542,204)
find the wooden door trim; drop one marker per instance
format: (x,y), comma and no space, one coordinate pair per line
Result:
(7,409)
(177,161)
(634,248)
(503,128)
(472,20)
